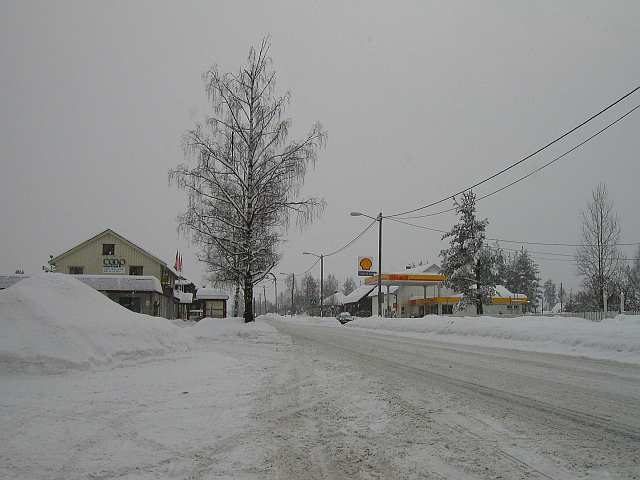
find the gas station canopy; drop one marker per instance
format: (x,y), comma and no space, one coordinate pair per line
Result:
(413,279)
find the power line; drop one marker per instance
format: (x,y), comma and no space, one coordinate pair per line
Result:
(513,165)
(347,245)
(537,169)
(520,242)
(566,257)
(352,241)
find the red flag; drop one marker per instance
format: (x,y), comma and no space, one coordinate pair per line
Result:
(180,264)
(175,264)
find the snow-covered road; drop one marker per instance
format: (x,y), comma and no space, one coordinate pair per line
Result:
(311,401)
(412,408)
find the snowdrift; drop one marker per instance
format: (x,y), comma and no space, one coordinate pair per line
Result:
(305,320)
(53,321)
(218,328)
(617,338)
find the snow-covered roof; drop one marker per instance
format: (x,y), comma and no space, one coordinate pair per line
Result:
(335,299)
(7,280)
(210,294)
(429,269)
(502,291)
(183,297)
(392,289)
(358,294)
(183,281)
(121,283)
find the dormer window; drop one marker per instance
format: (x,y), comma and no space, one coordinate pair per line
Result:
(108,249)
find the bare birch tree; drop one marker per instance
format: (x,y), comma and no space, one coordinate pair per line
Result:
(598,259)
(244,184)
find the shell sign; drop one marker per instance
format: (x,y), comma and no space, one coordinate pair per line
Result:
(365,264)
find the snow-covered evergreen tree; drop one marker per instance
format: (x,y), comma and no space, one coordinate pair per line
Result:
(524,277)
(468,264)
(502,264)
(632,284)
(550,297)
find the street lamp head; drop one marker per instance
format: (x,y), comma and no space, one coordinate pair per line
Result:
(307,253)
(356,214)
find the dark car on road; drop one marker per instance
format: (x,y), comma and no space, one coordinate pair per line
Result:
(344,317)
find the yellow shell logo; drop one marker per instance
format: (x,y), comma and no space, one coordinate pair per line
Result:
(366,263)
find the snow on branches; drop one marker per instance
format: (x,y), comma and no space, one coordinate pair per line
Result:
(244,184)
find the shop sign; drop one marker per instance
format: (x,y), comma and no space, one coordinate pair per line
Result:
(365,265)
(113,265)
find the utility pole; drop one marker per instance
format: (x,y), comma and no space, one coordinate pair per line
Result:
(293,287)
(561,295)
(264,292)
(321,257)
(322,285)
(275,288)
(379,220)
(380,297)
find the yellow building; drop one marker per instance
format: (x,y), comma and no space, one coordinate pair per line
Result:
(108,261)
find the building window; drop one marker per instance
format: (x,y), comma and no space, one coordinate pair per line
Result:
(447,309)
(135,270)
(132,303)
(76,270)
(108,249)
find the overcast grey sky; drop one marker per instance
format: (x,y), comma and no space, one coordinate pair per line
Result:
(418,98)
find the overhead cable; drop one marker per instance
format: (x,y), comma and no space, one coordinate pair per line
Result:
(522,160)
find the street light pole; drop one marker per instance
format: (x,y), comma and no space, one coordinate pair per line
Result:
(379,220)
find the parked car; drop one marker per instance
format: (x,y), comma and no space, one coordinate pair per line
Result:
(344,317)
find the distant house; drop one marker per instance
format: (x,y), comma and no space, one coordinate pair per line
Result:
(209,303)
(333,303)
(358,302)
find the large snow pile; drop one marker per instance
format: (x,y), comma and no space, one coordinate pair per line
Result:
(53,321)
(617,338)
(218,328)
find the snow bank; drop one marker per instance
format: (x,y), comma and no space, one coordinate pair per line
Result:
(617,338)
(305,320)
(53,321)
(233,327)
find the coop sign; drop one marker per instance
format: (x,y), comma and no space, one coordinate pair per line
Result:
(113,265)
(365,265)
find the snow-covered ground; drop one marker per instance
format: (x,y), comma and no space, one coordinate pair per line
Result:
(91,390)
(616,339)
